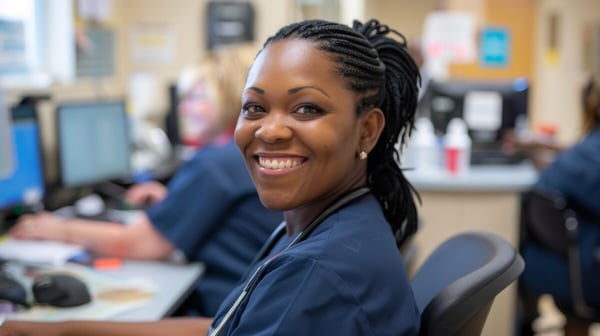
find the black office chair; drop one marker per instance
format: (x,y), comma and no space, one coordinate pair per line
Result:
(456,285)
(551,223)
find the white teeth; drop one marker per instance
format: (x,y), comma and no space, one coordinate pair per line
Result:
(278,164)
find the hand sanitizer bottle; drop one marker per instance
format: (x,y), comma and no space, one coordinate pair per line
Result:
(423,152)
(457,148)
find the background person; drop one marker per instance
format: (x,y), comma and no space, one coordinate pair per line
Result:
(575,175)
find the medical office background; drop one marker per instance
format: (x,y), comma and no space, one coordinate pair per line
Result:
(101,49)
(551,43)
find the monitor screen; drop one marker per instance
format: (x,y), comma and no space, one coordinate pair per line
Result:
(94,144)
(489,108)
(22,184)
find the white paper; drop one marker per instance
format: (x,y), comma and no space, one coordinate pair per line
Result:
(450,36)
(38,251)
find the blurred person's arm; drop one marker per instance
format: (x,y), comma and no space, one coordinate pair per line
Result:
(541,149)
(137,240)
(511,142)
(172,326)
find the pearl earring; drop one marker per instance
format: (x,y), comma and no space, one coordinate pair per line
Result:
(362,155)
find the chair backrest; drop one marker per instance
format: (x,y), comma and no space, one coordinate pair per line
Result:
(456,285)
(547,214)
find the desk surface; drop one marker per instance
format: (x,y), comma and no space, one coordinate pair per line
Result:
(174,282)
(170,284)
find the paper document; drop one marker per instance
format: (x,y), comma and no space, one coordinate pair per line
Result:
(37,251)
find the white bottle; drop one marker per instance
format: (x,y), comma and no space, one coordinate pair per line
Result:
(422,152)
(457,148)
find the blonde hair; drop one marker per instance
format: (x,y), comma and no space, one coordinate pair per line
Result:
(224,71)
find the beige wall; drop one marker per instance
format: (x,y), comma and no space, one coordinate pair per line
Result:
(557,98)
(405,16)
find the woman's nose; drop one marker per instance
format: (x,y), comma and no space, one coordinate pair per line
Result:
(273,128)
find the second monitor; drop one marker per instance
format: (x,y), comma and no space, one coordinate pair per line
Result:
(489,108)
(94,143)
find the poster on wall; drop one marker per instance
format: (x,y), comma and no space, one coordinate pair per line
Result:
(95,39)
(13,53)
(152,43)
(450,36)
(494,47)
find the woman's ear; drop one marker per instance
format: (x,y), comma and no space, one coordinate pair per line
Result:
(371,126)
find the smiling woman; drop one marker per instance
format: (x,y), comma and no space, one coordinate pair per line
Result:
(319,145)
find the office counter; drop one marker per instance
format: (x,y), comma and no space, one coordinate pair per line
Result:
(487,198)
(480,178)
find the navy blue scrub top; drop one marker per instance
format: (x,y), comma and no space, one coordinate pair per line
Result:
(575,174)
(347,278)
(212,213)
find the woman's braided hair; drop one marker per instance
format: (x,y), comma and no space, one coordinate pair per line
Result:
(381,71)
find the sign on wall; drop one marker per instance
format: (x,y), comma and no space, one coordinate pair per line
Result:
(494,47)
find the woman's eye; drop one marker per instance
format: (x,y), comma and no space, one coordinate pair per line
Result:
(252,111)
(308,110)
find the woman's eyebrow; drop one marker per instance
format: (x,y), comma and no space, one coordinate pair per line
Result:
(297,89)
(255,89)
(290,91)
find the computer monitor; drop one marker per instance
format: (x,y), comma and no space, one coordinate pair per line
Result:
(22,185)
(489,108)
(94,144)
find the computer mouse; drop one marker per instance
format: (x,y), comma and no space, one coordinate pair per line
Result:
(12,291)
(60,290)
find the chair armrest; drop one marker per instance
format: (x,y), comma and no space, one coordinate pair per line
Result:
(596,258)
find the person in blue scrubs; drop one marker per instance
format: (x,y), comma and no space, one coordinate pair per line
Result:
(574,174)
(325,133)
(322,110)
(209,212)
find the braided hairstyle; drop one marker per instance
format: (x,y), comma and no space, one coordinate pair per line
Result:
(383,74)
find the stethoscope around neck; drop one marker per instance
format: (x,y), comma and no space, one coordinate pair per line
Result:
(268,246)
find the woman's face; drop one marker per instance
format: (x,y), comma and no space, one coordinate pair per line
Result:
(199,114)
(298,130)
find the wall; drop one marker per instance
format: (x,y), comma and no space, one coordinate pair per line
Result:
(559,81)
(405,16)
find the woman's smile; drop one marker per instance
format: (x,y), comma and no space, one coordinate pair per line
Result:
(280,163)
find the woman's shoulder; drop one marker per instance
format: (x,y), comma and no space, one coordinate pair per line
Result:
(357,236)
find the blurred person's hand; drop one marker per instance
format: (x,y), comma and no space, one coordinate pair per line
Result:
(146,193)
(42,226)
(540,148)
